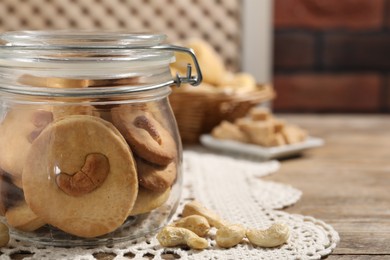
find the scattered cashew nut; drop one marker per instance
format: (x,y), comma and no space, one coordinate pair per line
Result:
(197,224)
(174,236)
(229,236)
(195,208)
(275,235)
(90,177)
(197,220)
(4,235)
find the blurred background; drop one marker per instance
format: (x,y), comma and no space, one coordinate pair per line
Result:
(332,56)
(320,56)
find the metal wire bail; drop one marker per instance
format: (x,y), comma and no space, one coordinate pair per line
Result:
(193,80)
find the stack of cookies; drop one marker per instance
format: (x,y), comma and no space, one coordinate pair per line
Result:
(81,168)
(260,127)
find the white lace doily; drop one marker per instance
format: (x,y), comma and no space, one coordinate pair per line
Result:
(221,174)
(232,188)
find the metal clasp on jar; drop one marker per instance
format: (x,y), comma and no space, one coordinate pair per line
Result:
(193,80)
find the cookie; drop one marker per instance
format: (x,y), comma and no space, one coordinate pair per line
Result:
(238,82)
(154,177)
(293,134)
(145,135)
(51,82)
(260,114)
(148,200)
(18,129)
(229,131)
(66,110)
(258,132)
(130,81)
(10,194)
(278,125)
(80,176)
(278,140)
(22,218)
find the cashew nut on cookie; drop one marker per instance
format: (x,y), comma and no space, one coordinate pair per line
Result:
(90,177)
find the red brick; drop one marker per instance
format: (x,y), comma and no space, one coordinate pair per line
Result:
(294,50)
(387,13)
(328,92)
(386,94)
(368,51)
(324,14)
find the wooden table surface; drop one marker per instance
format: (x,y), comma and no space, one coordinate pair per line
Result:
(346,182)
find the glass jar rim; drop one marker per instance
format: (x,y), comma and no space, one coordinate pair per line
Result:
(83,54)
(63,39)
(67,53)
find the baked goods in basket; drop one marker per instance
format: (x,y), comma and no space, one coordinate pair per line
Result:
(216,78)
(222,95)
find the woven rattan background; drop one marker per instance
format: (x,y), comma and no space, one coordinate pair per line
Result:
(216,21)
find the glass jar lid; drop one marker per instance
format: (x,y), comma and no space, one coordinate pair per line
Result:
(79,53)
(89,54)
(79,39)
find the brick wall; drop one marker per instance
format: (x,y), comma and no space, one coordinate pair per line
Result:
(332,55)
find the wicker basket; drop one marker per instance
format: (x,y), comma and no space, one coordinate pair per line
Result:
(198,112)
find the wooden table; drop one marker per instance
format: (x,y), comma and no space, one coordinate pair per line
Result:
(346,182)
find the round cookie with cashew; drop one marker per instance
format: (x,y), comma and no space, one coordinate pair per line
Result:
(80,176)
(20,126)
(145,135)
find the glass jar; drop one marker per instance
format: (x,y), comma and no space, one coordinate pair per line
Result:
(90,151)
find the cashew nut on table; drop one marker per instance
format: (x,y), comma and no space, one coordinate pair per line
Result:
(196,223)
(195,208)
(275,235)
(229,236)
(174,236)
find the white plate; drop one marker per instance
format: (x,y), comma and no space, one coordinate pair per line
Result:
(260,151)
